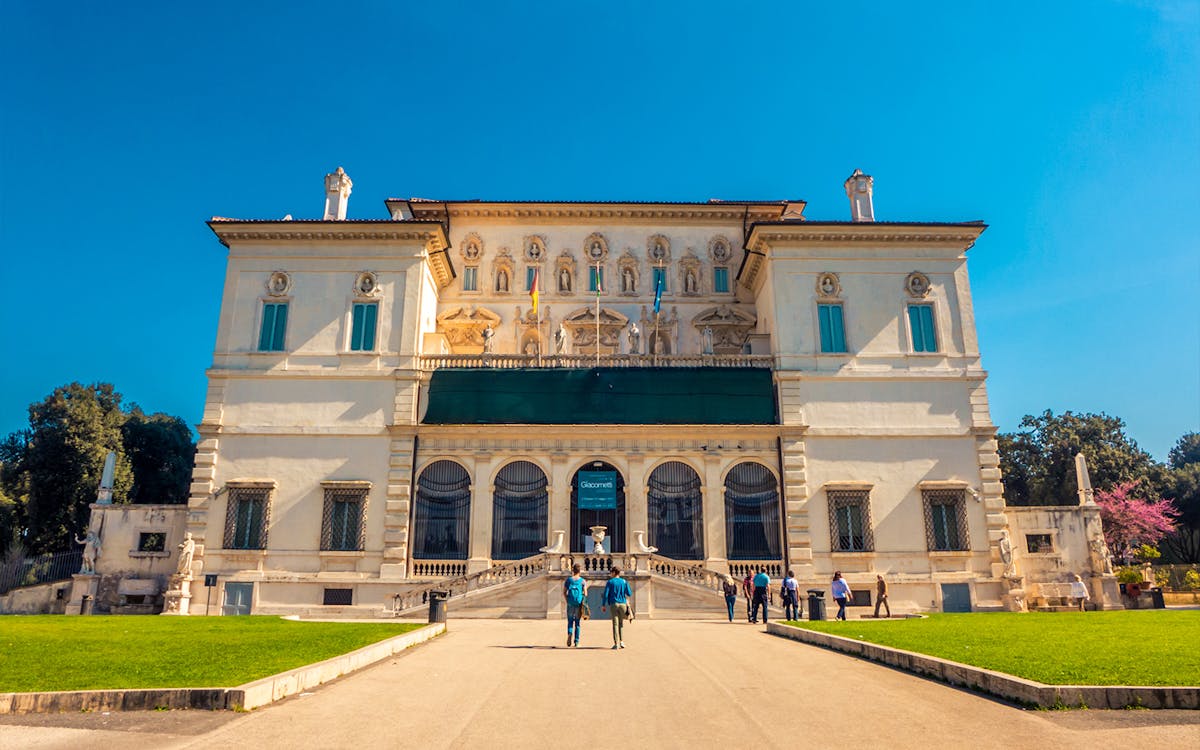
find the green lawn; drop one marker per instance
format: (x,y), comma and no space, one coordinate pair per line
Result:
(1143,647)
(55,652)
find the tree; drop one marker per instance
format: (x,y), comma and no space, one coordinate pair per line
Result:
(1131,521)
(161,454)
(1185,452)
(1038,461)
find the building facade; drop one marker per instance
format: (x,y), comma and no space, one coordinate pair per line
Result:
(461,393)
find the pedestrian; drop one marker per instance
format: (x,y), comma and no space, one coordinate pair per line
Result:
(841,593)
(881,596)
(762,589)
(616,599)
(748,593)
(575,595)
(1079,590)
(731,591)
(789,593)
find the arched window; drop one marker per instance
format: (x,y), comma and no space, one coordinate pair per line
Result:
(519,506)
(674,511)
(600,502)
(442,512)
(752,513)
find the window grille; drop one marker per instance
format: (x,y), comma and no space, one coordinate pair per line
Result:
(945,520)
(519,510)
(338,597)
(342,522)
(1036,543)
(752,529)
(152,541)
(674,508)
(441,512)
(850,521)
(247,517)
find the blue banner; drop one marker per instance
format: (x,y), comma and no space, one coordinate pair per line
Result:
(597,490)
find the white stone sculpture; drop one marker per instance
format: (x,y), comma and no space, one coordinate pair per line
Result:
(560,339)
(488,334)
(1101,558)
(598,538)
(708,340)
(635,339)
(1006,554)
(187,551)
(1083,481)
(558,545)
(91,551)
(641,543)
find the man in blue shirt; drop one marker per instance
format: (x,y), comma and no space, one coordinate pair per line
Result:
(616,598)
(762,583)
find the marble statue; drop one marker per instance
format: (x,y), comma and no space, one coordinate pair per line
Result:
(1101,558)
(564,280)
(627,280)
(558,545)
(1006,554)
(502,281)
(488,334)
(689,282)
(641,543)
(635,339)
(560,339)
(598,538)
(708,340)
(91,551)
(187,550)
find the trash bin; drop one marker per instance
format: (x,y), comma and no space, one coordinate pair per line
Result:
(1156,596)
(437,605)
(85,605)
(816,604)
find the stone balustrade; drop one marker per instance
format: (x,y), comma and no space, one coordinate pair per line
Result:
(517,361)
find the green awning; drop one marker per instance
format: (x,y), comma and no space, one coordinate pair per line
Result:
(602,395)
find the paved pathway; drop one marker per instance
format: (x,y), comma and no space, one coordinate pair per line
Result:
(679,684)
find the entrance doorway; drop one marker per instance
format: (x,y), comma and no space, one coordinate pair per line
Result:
(956,597)
(237,598)
(598,499)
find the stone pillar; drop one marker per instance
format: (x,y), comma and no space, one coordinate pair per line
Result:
(636,511)
(559,513)
(84,584)
(337,194)
(796,496)
(716,549)
(398,508)
(177,599)
(479,548)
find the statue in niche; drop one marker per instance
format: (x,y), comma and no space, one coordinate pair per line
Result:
(531,347)
(560,339)
(91,551)
(596,251)
(658,344)
(708,340)
(658,252)
(502,281)
(1101,558)
(689,282)
(187,551)
(635,339)
(627,280)
(488,334)
(827,286)
(1006,554)
(564,280)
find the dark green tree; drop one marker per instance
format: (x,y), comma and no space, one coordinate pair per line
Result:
(1182,482)
(1038,460)
(70,433)
(1185,452)
(161,454)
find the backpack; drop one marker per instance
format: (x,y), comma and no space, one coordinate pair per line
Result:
(574,591)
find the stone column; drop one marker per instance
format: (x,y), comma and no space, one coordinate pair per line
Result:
(716,549)
(558,515)
(636,511)
(479,547)
(797,536)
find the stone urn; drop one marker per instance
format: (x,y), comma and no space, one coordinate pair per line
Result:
(598,538)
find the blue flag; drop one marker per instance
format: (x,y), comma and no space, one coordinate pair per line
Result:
(658,285)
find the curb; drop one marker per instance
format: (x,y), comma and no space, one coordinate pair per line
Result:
(1003,685)
(243,697)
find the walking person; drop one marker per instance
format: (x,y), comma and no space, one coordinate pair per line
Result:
(616,599)
(575,595)
(748,593)
(790,593)
(1079,590)
(841,593)
(731,592)
(762,589)
(881,596)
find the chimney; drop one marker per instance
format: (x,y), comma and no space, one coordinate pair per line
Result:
(337,195)
(858,190)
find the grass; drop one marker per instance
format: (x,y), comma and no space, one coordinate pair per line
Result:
(1145,647)
(54,652)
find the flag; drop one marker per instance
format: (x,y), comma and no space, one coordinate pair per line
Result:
(533,290)
(599,280)
(658,285)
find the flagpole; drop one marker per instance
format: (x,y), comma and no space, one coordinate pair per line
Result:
(599,286)
(539,335)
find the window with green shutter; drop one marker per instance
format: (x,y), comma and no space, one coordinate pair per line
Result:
(924,335)
(362,331)
(470,279)
(274,326)
(720,280)
(833,331)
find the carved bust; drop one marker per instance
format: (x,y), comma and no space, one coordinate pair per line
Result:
(279,283)
(917,284)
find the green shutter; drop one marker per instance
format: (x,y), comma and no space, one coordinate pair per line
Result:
(721,279)
(833,334)
(280,327)
(356,328)
(362,327)
(927,331)
(268,325)
(372,312)
(920,321)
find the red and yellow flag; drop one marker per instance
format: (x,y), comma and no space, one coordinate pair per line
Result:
(533,290)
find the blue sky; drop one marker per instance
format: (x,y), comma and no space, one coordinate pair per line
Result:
(1072,128)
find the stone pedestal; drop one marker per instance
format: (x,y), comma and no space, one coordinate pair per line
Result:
(1106,593)
(1014,599)
(178,598)
(85,584)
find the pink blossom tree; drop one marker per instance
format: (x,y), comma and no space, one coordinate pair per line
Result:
(1131,521)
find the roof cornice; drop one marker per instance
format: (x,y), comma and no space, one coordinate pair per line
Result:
(431,234)
(597,212)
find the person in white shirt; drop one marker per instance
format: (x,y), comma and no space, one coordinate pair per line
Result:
(1079,590)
